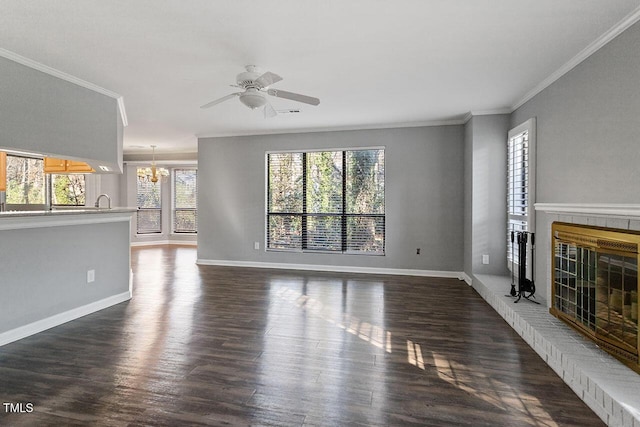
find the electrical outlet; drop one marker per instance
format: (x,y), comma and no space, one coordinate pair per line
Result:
(91,276)
(485,259)
(256,245)
(418,251)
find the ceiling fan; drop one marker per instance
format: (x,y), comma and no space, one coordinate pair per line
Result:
(256,86)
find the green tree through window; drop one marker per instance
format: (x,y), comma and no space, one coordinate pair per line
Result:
(149,200)
(25,181)
(185,198)
(326,201)
(68,190)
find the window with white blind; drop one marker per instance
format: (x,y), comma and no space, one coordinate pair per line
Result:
(326,201)
(520,183)
(185,197)
(149,201)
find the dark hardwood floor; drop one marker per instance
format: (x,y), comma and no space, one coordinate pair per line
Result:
(234,346)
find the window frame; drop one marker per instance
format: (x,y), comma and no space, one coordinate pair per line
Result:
(174,209)
(528,219)
(50,181)
(26,206)
(143,209)
(304,215)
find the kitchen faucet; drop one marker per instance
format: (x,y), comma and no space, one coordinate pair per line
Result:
(108,200)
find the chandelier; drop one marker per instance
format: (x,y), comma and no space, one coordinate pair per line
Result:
(153,173)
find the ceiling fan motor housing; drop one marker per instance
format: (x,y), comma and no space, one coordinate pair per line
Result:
(247,79)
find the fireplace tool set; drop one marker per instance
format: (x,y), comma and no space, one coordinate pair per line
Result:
(526,287)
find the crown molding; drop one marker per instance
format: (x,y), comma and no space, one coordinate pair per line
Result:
(161,163)
(66,77)
(592,48)
(497,111)
(491,112)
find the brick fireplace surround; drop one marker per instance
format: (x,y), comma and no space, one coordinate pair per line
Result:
(608,387)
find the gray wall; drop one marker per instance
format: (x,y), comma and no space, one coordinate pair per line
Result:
(587,132)
(44,114)
(485,163)
(588,127)
(44,270)
(110,185)
(468,198)
(489,193)
(424,196)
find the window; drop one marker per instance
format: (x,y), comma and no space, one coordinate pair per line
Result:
(25,183)
(520,183)
(185,197)
(149,218)
(68,190)
(326,201)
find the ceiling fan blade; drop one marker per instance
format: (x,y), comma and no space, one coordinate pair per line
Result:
(267,79)
(269,111)
(293,96)
(218,101)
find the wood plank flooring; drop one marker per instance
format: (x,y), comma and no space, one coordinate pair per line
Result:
(233,346)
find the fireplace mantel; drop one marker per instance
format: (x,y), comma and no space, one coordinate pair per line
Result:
(631,211)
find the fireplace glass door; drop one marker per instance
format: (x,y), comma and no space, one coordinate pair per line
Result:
(595,286)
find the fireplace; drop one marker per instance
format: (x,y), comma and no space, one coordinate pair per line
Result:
(595,285)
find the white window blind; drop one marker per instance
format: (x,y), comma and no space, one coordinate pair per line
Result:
(149,200)
(185,198)
(285,201)
(329,201)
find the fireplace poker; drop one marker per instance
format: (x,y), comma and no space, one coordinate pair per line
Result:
(513,277)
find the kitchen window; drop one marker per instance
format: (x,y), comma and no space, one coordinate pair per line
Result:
(326,201)
(68,190)
(26,188)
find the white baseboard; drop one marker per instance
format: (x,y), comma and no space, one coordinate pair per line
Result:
(467,279)
(334,268)
(58,319)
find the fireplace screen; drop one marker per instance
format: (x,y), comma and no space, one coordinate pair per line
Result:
(595,285)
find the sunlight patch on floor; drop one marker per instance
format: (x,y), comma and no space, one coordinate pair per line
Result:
(493,391)
(459,375)
(372,334)
(414,354)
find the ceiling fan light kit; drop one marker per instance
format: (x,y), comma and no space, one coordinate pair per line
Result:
(256,87)
(253,98)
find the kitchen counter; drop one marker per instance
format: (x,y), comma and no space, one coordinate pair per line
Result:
(65,216)
(65,211)
(61,264)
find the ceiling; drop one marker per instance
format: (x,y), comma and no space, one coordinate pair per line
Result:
(372,63)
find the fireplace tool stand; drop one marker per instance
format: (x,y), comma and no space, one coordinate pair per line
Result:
(526,287)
